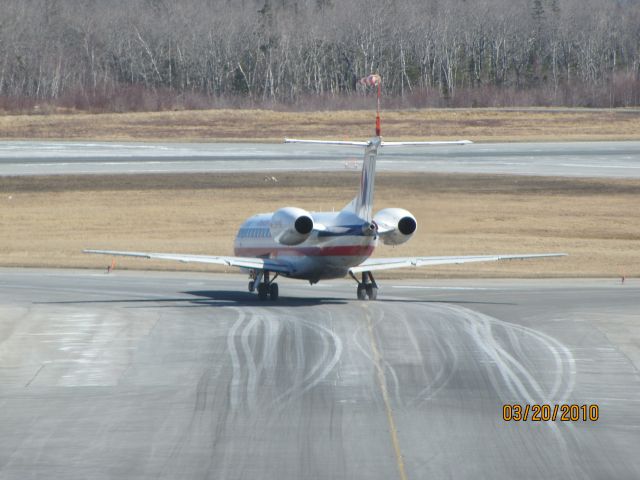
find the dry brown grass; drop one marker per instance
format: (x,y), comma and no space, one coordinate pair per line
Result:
(266,125)
(47,221)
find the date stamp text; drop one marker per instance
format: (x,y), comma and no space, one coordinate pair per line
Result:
(514,412)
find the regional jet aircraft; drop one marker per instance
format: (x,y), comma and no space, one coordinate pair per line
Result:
(314,246)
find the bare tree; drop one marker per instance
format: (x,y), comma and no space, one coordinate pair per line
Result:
(153,54)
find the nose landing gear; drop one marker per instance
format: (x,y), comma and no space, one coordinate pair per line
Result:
(367,288)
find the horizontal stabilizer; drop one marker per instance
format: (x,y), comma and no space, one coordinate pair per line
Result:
(328,142)
(408,144)
(383,143)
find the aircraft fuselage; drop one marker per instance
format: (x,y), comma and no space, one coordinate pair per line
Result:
(329,252)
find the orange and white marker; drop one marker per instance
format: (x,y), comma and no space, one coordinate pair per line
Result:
(112,266)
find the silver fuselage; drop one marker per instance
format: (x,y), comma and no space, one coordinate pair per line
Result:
(335,245)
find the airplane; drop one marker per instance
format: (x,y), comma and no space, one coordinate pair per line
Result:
(313,246)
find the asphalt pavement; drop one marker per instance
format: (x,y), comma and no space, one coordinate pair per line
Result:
(187,375)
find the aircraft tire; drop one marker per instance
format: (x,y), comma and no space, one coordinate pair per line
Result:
(361,292)
(263,292)
(251,287)
(372,292)
(273,292)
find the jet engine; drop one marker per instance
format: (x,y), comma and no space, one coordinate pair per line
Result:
(395,225)
(291,226)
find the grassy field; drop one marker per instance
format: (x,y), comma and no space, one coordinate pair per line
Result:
(47,221)
(495,125)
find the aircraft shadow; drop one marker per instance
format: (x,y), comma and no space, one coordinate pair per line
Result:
(207,298)
(249,299)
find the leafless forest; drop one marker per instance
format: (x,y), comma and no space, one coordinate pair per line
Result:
(129,55)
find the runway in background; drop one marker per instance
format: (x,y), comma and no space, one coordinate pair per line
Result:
(578,159)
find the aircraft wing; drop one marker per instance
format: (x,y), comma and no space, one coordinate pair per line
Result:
(374,264)
(270,264)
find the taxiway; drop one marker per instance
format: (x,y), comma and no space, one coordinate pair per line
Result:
(186,375)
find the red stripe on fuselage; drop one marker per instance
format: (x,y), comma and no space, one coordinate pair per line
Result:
(334,251)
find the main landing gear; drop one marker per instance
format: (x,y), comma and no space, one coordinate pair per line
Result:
(367,288)
(266,288)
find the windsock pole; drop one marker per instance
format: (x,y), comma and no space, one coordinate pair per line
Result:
(378,127)
(374,80)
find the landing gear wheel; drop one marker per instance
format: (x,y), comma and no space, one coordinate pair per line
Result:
(263,291)
(362,292)
(273,292)
(251,287)
(372,292)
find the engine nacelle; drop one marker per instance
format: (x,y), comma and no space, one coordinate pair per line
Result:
(395,225)
(291,226)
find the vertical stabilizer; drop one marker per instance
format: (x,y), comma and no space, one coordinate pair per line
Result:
(362,204)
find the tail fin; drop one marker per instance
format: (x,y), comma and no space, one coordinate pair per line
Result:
(362,204)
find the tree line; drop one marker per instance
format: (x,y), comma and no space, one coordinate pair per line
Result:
(156,54)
